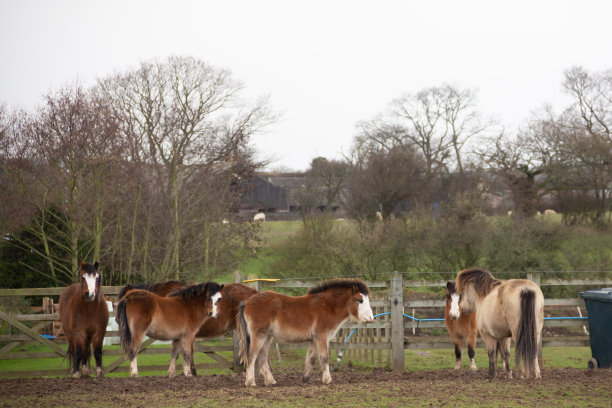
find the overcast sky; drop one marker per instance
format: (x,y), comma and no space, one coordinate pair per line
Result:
(325,64)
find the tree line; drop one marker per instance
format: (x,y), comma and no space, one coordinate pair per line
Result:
(143,170)
(136,171)
(433,149)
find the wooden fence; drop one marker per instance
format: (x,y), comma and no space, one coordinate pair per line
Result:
(380,343)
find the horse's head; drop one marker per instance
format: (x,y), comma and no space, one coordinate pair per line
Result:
(213,296)
(90,280)
(453,300)
(359,306)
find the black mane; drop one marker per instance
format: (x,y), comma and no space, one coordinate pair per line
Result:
(339,283)
(197,291)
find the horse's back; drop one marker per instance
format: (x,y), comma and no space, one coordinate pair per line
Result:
(288,318)
(500,311)
(510,293)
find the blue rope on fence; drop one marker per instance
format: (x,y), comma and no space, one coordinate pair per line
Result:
(416,319)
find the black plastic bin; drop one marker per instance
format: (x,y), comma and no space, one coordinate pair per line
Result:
(599,306)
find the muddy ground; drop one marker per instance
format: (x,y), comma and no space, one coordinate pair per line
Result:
(558,388)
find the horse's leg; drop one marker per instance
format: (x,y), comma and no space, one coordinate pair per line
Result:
(321,345)
(137,336)
(471,344)
(253,353)
(491,344)
(86,357)
(193,368)
(457,356)
(471,354)
(97,342)
(176,349)
(264,363)
(505,354)
(187,346)
(76,361)
(310,359)
(536,365)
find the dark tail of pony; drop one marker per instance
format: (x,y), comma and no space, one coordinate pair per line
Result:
(244,337)
(124,328)
(526,344)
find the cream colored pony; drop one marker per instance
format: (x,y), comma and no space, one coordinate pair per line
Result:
(504,310)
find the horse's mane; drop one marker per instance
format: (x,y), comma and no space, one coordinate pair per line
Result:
(197,291)
(481,279)
(339,283)
(150,287)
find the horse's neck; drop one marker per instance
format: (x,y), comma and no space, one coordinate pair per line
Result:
(338,306)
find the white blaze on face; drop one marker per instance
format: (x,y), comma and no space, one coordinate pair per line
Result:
(454,309)
(364,311)
(91,284)
(214,300)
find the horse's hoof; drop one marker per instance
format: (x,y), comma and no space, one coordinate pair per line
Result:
(474,368)
(76,375)
(134,375)
(250,383)
(327,380)
(270,383)
(171,374)
(99,372)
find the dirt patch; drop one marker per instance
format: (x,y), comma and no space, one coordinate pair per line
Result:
(558,387)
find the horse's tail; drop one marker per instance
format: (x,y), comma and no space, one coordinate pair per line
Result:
(526,345)
(124,328)
(124,290)
(244,337)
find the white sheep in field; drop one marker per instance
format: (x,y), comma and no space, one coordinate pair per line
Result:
(379,216)
(549,212)
(259,217)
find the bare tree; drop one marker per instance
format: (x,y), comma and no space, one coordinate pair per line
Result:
(187,115)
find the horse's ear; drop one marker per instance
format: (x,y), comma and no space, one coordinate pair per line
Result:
(96,265)
(221,287)
(83,266)
(355,289)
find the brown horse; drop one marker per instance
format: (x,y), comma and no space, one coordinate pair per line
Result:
(315,318)
(177,318)
(84,317)
(227,308)
(504,310)
(461,327)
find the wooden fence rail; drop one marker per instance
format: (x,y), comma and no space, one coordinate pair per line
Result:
(380,343)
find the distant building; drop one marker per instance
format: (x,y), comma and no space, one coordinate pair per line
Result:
(272,192)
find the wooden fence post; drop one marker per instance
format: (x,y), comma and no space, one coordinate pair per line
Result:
(397,322)
(535,278)
(237,367)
